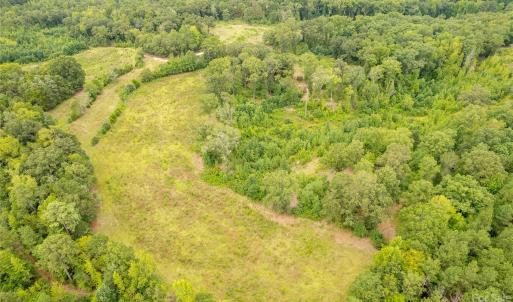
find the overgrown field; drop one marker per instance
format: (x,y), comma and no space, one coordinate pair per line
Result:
(154,199)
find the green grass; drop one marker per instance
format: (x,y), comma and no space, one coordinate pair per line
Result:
(233,31)
(153,198)
(102,60)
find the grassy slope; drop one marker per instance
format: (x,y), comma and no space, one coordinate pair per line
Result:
(153,199)
(95,62)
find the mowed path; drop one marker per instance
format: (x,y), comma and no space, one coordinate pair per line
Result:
(152,198)
(86,127)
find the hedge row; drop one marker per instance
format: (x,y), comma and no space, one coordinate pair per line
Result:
(176,65)
(95,87)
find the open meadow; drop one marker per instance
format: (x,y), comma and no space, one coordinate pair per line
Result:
(152,198)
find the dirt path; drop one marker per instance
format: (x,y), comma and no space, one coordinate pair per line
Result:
(341,236)
(155,58)
(388,227)
(304,88)
(153,199)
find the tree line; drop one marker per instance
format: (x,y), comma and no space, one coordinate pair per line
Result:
(34,31)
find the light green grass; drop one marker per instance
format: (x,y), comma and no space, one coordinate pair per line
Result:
(152,198)
(231,32)
(102,60)
(88,124)
(62,112)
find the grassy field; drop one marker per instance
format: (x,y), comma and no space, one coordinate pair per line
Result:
(102,60)
(230,32)
(152,198)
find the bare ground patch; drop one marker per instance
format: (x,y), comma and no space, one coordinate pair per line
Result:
(197,162)
(346,238)
(388,226)
(281,219)
(309,168)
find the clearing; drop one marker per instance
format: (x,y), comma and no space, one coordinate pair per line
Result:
(154,200)
(230,32)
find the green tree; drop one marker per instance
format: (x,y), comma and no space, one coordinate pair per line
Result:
(278,187)
(220,144)
(69,69)
(59,255)
(340,156)
(219,76)
(388,178)
(485,166)
(428,168)
(437,143)
(465,193)
(427,224)
(254,73)
(504,241)
(9,148)
(396,157)
(14,272)
(503,213)
(183,291)
(357,199)
(23,193)
(59,215)
(212,48)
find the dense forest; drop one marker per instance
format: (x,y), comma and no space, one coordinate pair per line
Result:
(33,31)
(403,107)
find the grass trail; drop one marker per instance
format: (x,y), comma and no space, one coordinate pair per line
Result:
(91,121)
(96,62)
(154,200)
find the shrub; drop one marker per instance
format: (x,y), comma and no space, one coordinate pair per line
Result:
(76,111)
(139,59)
(95,140)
